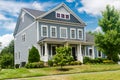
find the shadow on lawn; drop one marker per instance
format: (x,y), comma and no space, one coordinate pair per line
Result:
(64,69)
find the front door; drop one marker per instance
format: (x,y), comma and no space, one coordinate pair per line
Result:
(53,50)
(74,53)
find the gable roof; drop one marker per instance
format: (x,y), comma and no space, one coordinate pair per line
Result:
(34,13)
(67,8)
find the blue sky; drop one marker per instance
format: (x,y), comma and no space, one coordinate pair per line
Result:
(88,10)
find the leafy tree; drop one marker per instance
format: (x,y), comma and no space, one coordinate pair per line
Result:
(33,55)
(63,55)
(109,41)
(6,61)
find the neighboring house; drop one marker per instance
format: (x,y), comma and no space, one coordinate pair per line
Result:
(59,26)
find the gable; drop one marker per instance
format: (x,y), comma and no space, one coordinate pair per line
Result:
(62,9)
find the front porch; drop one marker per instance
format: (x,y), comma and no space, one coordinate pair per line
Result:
(47,48)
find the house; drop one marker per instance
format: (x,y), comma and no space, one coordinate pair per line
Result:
(59,26)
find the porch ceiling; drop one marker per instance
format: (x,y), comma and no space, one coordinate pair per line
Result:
(62,41)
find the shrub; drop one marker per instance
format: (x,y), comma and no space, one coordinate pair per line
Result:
(50,63)
(108,62)
(6,61)
(35,65)
(87,60)
(75,63)
(17,65)
(33,55)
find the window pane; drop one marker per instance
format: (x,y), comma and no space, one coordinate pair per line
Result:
(62,15)
(63,33)
(44,31)
(99,53)
(90,52)
(58,15)
(53,32)
(73,33)
(67,16)
(80,34)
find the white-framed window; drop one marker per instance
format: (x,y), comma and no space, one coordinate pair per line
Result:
(62,16)
(72,33)
(99,53)
(63,32)
(44,30)
(23,37)
(90,51)
(80,34)
(53,31)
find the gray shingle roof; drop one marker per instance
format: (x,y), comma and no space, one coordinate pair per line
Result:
(35,13)
(89,38)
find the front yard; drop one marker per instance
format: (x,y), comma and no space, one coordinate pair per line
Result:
(23,72)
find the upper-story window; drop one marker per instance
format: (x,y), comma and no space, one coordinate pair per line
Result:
(53,32)
(80,34)
(62,16)
(23,37)
(63,32)
(44,30)
(72,33)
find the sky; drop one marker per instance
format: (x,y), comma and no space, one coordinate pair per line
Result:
(88,10)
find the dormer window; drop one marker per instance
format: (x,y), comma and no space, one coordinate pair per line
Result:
(62,16)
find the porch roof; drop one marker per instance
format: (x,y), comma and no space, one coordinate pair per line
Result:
(63,40)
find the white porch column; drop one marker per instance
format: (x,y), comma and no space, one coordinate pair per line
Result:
(46,52)
(93,54)
(80,57)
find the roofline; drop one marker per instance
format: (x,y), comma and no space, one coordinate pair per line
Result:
(29,13)
(63,4)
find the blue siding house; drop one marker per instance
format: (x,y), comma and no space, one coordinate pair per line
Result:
(59,26)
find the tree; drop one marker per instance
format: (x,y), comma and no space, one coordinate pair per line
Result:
(33,55)
(6,61)
(63,55)
(109,41)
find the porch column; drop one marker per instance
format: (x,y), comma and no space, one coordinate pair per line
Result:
(80,57)
(93,54)
(46,52)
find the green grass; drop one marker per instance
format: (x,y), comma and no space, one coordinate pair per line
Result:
(23,72)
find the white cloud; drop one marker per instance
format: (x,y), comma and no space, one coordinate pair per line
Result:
(70,1)
(98,29)
(94,7)
(6,39)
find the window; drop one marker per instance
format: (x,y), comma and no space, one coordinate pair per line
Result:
(43,50)
(80,34)
(63,32)
(90,51)
(53,31)
(99,54)
(58,15)
(67,16)
(44,30)
(23,37)
(62,16)
(72,33)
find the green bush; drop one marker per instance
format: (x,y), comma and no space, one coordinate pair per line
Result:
(87,60)
(50,63)
(33,55)
(75,63)
(17,65)
(35,65)
(108,62)
(6,61)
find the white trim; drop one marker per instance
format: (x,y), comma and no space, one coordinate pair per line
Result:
(37,31)
(66,7)
(25,29)
(51,31)
(66,32)
(42,30)
(28,13)
(98,55)
(71,33)
(81,34)
(22,15)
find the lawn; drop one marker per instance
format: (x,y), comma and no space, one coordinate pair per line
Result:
(23,72)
